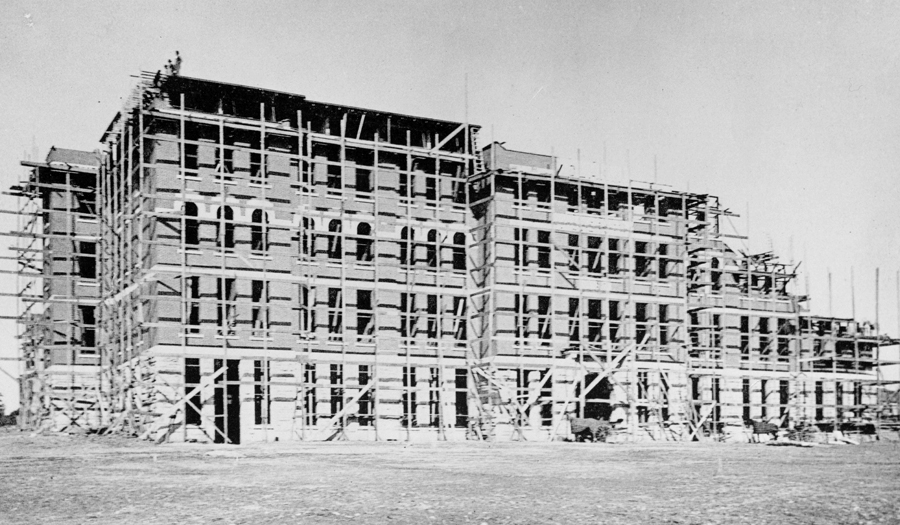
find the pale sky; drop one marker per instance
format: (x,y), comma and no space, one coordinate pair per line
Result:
(788,109)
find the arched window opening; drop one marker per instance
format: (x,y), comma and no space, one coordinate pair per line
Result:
(191,225)
(406,237)
(334,240)
(364,242)
(225,227)
(459,251)
(259,232)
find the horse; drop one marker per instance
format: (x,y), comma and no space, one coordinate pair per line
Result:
(761,427)
(595,429)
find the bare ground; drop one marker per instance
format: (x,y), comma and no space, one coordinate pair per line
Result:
(82,479)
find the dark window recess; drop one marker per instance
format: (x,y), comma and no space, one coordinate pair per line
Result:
(86,203)
(544,318)
(459,192)
(785,331)
(430,188)
(307,314)
(520,248)
(640,313)
(257,173)
(408,397)
(574,320)
(613,256)
(335,311)
(663,263)
(190,157)
(764,336)
(716,276)
(194,404)
(431,249)
(663,324)
(543,249)
(784,399)
(820,400)
(643,386)
(594,249)
(191,225)
(227,297)
(406,251)
(224,161)
(364,313)
(337,388)
(193,305)
(459,311)
(87,260)
(259,296)
(364,243)
(88,329)
(309,398)
(365,403)
(522,314)
(745,392)
(717,331)
(334,240)
(574,253)
(539,190)
(614,317)
(334,181)
(432,310)
(642,262)
(259,232)
(839,399)
(595,320)
(745,335)
(363,181)
(593,199)
(407,314)
(459,251)
(225,225)
(462,395)
(262,400)
(307,237)
(403,185)
(693,321)
(717,398)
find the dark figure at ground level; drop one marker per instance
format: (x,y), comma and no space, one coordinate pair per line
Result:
(594,429)
(761,427)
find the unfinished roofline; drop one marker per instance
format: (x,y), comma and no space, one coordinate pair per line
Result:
(64,166)
(501,145)
(305,101)
(595,182)
(328,104)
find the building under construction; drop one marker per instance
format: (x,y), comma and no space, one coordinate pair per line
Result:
(237,264)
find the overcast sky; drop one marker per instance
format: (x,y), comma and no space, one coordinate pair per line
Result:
(786,109)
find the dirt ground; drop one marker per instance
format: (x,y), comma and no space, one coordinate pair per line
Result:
(96,480)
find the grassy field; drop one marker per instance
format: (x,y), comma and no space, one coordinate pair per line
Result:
(78,479)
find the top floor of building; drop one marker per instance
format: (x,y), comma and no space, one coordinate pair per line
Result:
(243,115)
(65,186)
